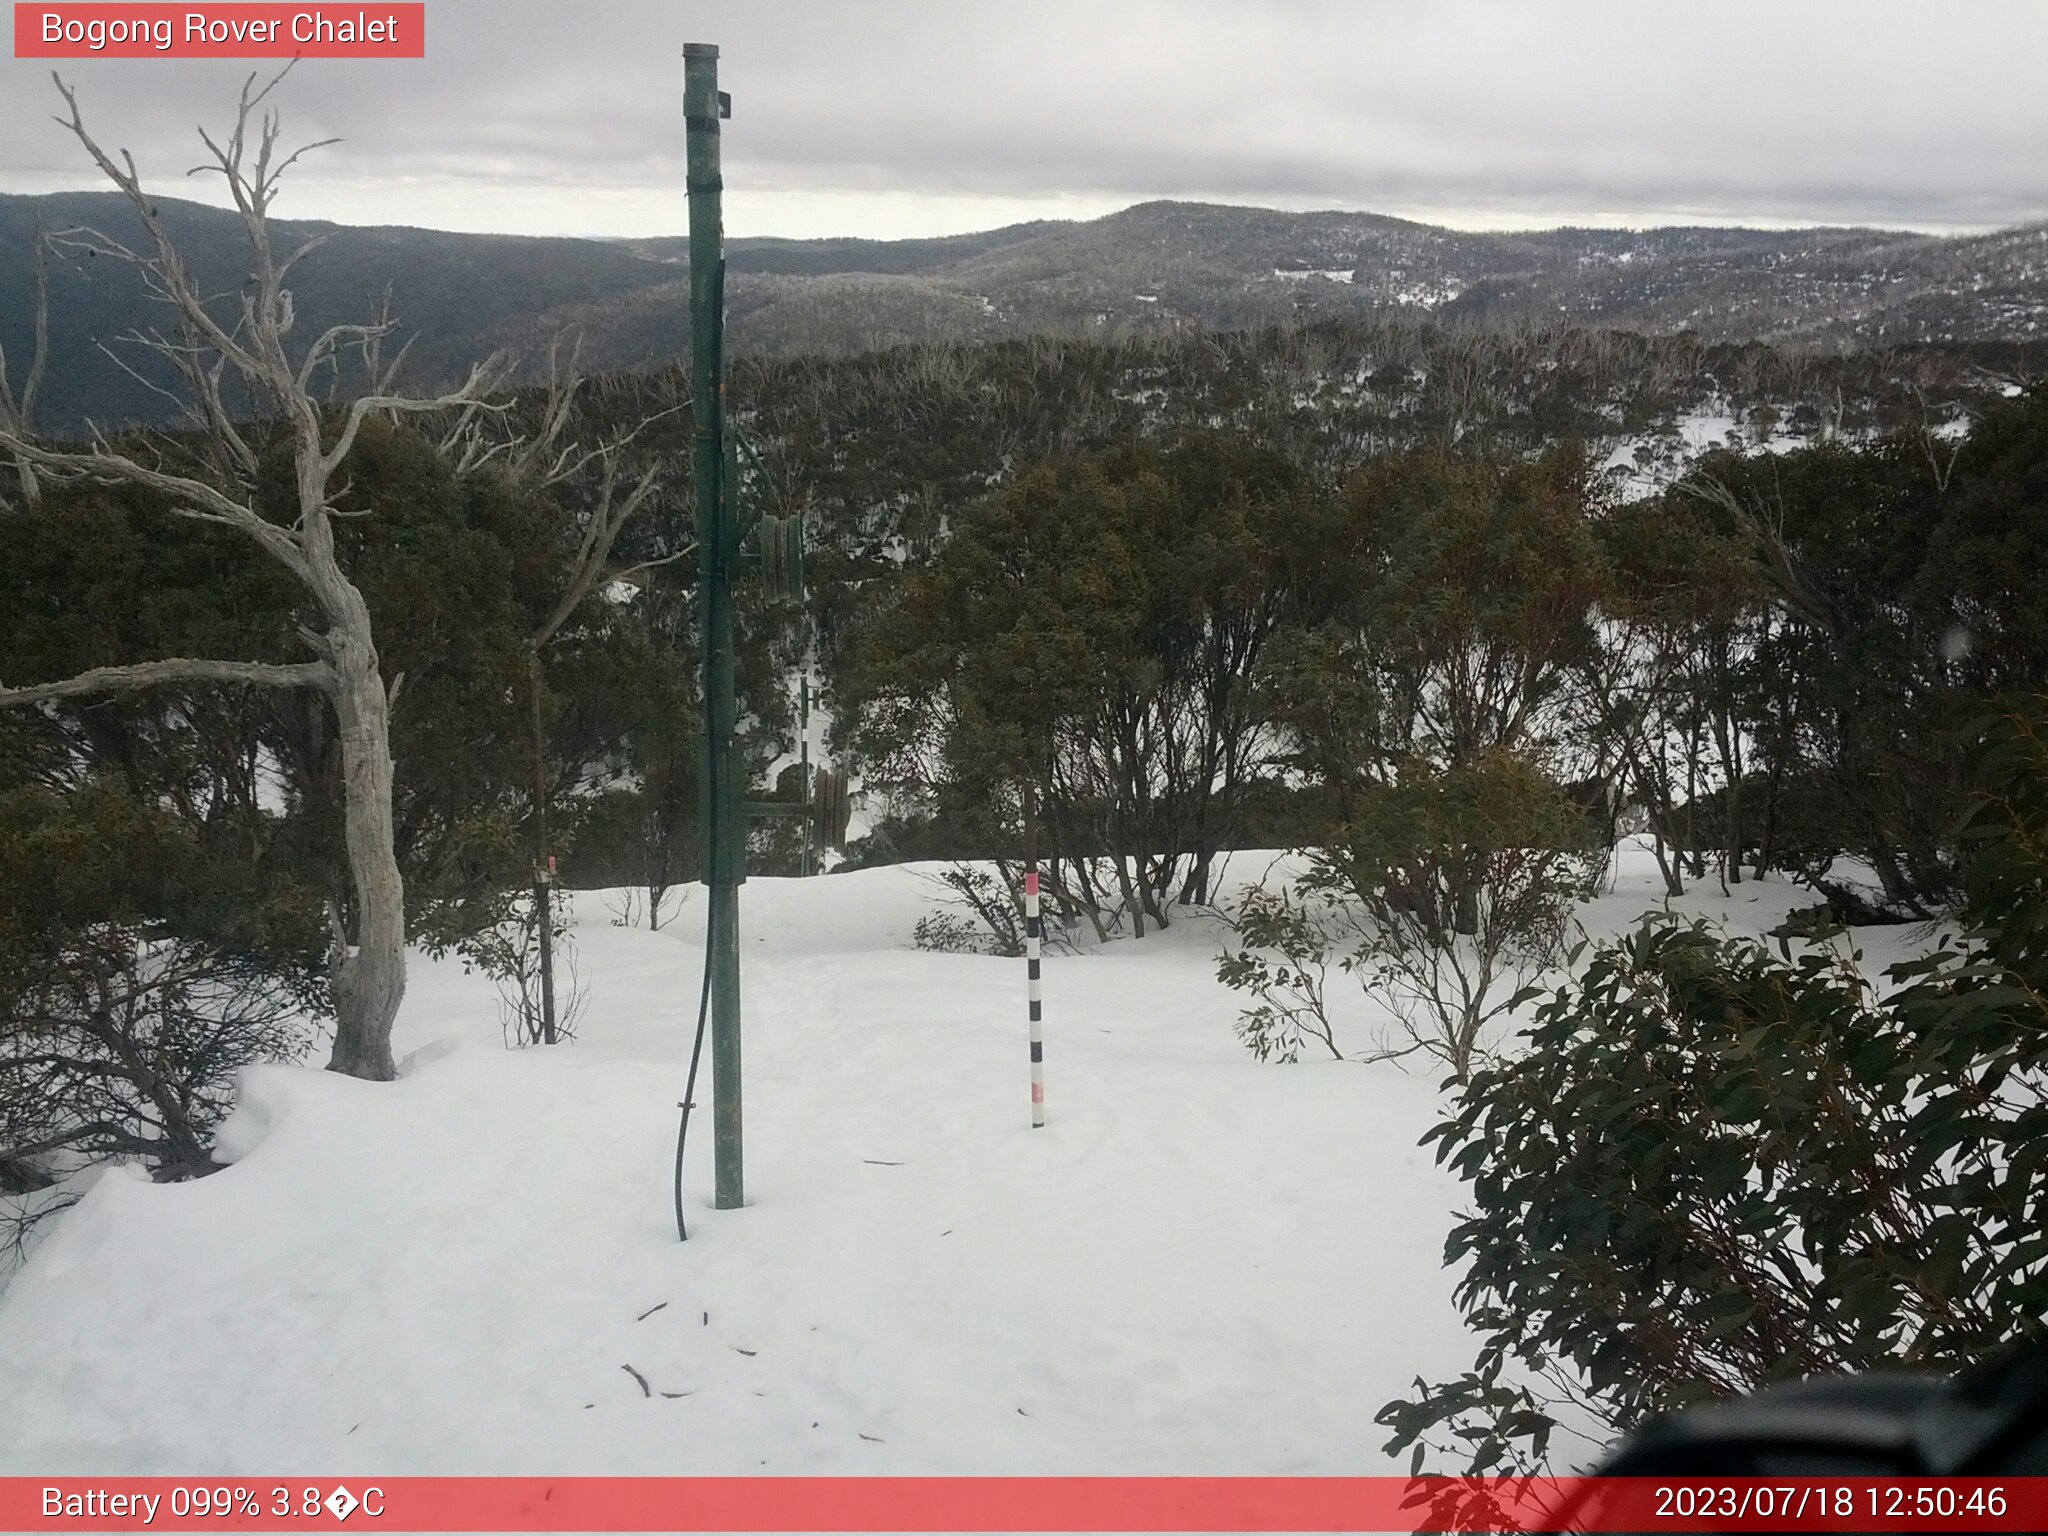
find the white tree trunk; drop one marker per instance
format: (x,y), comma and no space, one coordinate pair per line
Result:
(370,980)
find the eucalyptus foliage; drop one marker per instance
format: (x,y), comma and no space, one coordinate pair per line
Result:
(1715,1165)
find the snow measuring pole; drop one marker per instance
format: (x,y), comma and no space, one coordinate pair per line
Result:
(1034,941)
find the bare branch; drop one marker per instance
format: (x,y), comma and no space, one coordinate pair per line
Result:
(468,441)
(633,573)
(483,380)
(599,535)
(305,249)
(18,412)
(167,265)
(152,674)
(95,243)
(32,388)
(184,407)
(1766,534)
(270,186)
(385,379)
(333,339)
(198,499)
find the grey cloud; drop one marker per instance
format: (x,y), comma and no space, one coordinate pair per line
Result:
(1902,113)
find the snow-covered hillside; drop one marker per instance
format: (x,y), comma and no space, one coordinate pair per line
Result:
(1201,1265)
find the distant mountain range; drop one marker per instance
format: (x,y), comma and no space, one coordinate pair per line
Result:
(1156,264)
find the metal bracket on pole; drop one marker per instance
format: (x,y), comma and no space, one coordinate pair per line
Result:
(723,808)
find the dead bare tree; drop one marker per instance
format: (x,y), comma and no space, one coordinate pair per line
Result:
(211,356)
(1939,443)
(550,458)
(618,495)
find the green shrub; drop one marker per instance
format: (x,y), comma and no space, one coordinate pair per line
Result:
(1716,1166)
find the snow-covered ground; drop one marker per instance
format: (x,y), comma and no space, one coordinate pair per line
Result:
(1653,461)
(1201,1265)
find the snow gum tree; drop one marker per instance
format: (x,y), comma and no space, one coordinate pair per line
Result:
(1671,663)
(1096,625)
(1425,711)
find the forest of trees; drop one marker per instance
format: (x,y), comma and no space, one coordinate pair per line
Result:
(1201,645)
(286,692)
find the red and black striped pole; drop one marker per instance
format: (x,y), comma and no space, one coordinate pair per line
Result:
(1034,935)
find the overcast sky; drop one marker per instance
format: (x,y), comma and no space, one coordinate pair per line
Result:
(901,117)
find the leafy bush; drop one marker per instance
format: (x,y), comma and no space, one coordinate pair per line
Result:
(1285,964)
(128,1046)
(948,933)
(1716,1165)
(983,915)
(1465,877)
(509,952)
(139,971)
(1444,893)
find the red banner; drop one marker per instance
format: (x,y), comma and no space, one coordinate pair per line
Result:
(215,31)
(1023,1504)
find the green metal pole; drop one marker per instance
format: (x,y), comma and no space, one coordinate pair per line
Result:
(721,818)
(803,773)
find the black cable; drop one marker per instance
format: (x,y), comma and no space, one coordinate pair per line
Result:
(713,556)
(696,1052)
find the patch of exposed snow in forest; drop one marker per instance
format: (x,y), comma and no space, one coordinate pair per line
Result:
(1427,295)
(1654,460)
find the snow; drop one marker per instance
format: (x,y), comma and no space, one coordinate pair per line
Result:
(1429,295)
(1201,1265)
(1655,460)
